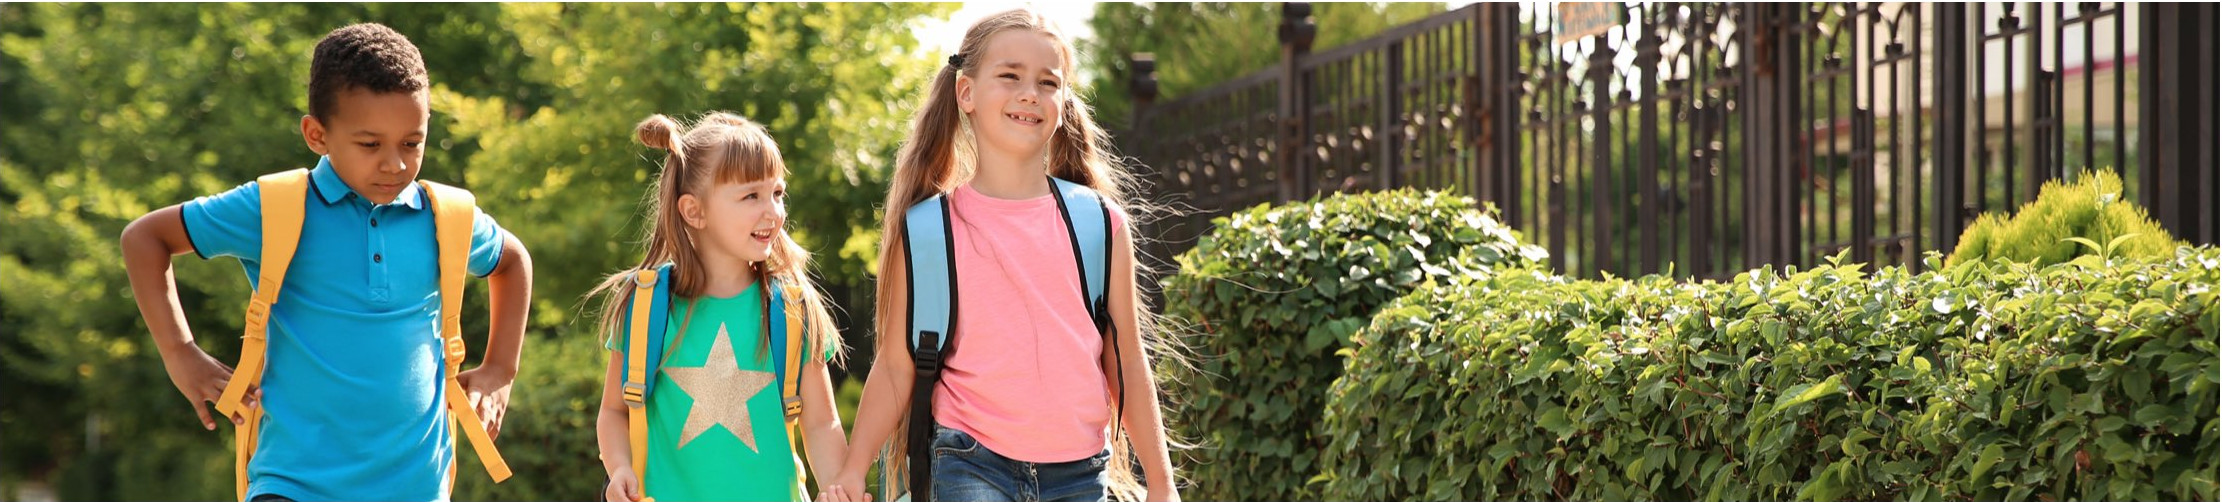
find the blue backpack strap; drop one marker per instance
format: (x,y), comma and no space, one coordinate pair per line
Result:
(926,244)
(1088,223)
(776,320)
(661,305)
(933,295)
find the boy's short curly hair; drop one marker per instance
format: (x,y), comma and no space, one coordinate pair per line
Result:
(368,56)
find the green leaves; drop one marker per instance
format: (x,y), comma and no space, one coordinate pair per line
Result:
(1822,384)
(2068,220)
(1804,393)
(1554,419)
(116,110)
(1284,290)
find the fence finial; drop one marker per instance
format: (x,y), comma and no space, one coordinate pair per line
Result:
(1297,28)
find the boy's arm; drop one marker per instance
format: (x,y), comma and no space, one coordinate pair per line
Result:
(827,446)
(148,243)
(509,301)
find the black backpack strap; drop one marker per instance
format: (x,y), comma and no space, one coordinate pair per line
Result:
(1087,214)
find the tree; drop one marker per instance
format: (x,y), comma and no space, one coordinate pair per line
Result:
(115,110)
(1198,45)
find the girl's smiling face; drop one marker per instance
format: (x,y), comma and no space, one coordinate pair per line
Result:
(1014,92)
(738,220)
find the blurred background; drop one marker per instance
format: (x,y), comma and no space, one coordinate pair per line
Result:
(108,111)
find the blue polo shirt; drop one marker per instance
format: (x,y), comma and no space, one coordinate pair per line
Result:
(355,387)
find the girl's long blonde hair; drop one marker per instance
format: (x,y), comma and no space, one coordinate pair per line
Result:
(720,148)
(940,154)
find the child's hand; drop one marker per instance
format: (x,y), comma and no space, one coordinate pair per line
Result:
(852,486)
(622,488)
(488,390)
(1161,495)
(837,493)
(202,379)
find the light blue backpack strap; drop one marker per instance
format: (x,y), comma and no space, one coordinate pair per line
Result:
(1090,221)
(657,324)
(932,295)
(662,307)
(774,308)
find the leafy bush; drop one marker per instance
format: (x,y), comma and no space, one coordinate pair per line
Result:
(1274,292)
(1980,381)
(2066,221)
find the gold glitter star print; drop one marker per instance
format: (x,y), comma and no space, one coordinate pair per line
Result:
(721,391)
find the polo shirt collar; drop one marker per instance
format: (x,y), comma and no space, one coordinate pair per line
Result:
(332,189)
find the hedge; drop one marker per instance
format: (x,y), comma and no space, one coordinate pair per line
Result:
(1984,381)
(1272,293)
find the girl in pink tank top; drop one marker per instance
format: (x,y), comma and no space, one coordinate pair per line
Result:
(1028,403)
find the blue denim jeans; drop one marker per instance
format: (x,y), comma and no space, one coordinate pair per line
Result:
(964,471)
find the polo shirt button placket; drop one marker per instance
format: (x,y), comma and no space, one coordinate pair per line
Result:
(378,292)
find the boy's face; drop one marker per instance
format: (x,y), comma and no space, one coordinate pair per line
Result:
(376,140)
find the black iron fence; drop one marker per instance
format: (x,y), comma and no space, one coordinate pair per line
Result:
(1714,137)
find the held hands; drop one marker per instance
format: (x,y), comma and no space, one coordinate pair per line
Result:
(845,488)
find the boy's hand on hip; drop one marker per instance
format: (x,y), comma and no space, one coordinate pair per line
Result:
(488,390)
(202,380)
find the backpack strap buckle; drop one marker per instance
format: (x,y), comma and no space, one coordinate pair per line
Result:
(258,317)
(635,394)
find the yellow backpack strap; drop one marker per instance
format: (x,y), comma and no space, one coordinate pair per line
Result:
(790,384)
(453,212)
(790,387)
(284,199)
(636,371)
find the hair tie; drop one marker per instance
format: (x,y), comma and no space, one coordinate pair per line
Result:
(956,60)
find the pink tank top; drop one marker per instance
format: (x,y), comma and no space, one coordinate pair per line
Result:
(1026,378)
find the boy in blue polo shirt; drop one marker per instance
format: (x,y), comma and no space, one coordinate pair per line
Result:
(353,398)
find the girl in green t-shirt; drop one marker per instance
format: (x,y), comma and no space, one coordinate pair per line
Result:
(715,422)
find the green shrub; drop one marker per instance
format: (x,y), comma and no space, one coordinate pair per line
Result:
(1979,381)
(1273,293)
(2046,230)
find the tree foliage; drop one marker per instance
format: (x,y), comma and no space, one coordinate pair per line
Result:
(113,110)
(1201,44)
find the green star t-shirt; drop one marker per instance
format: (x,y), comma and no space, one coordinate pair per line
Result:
(715,429)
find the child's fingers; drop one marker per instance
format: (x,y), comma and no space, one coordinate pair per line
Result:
(490,417)
(623,490)
(213,391)
(201,408)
